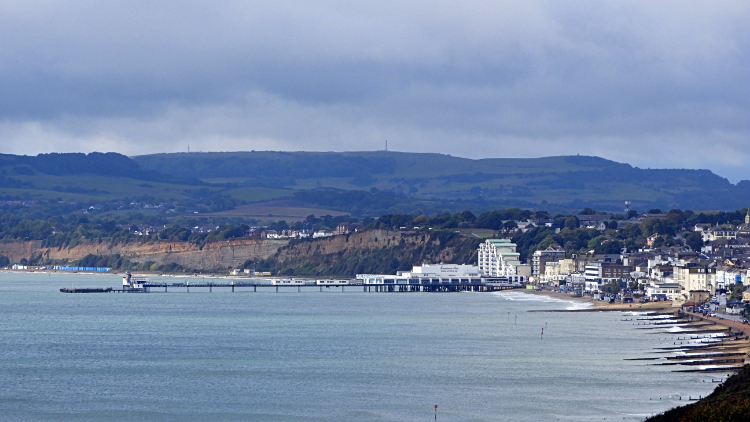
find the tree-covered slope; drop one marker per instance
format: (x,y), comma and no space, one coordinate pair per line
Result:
(567,182)
(730,402)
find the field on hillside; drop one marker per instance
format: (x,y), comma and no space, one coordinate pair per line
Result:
(284,209)
(94,188)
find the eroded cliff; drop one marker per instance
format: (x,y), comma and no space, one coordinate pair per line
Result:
(216,256)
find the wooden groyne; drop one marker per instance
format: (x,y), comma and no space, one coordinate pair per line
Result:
(699,346)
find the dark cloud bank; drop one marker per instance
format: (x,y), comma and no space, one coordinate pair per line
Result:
(654,85)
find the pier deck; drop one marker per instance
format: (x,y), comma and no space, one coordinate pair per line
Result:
(244,285)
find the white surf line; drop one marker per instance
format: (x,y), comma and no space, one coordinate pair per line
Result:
(527,297)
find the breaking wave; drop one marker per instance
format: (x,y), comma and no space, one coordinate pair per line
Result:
(527,297)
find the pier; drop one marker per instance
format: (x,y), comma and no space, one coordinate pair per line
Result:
(157,287)
(424,278)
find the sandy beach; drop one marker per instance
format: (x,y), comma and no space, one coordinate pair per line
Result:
(600,305)
(739,345)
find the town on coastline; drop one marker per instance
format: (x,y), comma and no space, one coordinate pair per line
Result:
(716,273)
(677,256)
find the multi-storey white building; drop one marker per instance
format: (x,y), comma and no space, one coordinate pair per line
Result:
(726,277)
(498,258)
(693,277)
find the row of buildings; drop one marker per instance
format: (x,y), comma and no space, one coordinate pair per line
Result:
(667,273)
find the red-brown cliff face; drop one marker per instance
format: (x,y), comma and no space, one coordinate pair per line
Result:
(372,251)
(213,256)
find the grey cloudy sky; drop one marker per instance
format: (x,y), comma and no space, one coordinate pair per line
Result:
(654,84)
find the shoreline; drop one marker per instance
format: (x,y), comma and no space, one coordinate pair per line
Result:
(741,344)
(600,305)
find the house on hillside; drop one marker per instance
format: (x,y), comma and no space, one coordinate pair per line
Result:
(651,239)
(270,234)
(598,222)
(345,228)
(720,232)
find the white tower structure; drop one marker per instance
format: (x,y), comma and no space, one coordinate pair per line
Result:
(498,258)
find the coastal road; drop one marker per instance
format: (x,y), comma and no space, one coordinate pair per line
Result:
(737,325)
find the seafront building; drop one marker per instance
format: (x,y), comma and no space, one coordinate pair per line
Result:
(498,263)
(540,259)
(663,290)
(692,277)
(450,276)
(498,258)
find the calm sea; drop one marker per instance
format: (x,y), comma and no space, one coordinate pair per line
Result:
(319,356)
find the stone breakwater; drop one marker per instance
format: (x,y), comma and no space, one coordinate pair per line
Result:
(213,256)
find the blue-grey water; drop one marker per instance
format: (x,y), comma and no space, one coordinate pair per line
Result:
(315,356)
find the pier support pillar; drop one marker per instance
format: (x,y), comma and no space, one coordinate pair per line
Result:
(232,287)
(210,288)
(277,289)
(255,288)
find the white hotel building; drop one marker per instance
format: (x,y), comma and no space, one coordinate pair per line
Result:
(498,258)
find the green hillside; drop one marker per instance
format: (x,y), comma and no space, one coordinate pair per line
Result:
(97,177)
(730,402)
(362,183)
(555,183)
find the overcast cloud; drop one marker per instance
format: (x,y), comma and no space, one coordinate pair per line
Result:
(654,84)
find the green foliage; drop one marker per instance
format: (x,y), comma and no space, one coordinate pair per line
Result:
(736,291)
(694,241)
(175,233)
(463,219)
(611,288)
(433,182)
(729,402)
(573,241)
(494,219)
(658,226)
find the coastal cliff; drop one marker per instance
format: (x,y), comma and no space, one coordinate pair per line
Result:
(371,251)
(215,256)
